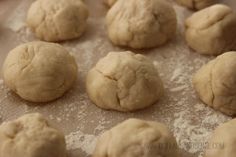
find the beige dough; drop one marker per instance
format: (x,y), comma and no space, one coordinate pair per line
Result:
(223,141)
(215,83)
(124,81)
(39,71)
(31,136)
(137,138)
(151,25)
(110,3)
(212,30)
(57,20)
(197,4)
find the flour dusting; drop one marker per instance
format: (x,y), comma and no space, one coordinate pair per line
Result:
(78,139)
(180,109)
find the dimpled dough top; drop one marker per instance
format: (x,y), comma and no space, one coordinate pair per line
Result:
(57,20)
(31,136)
(124,81)
(141,23)
(215,83)
(39,71)
(137,138)
(223,141)
(197,4)
(212,30)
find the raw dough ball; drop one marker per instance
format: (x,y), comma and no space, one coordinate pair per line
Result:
(216,83)
(57,20)
(124,81)
(39,71)
(223,141)
(110,3)
(151,25)
(137,138)
(212,30)
(31,136)
(197,4)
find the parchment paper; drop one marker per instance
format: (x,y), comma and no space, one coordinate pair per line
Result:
(81,121)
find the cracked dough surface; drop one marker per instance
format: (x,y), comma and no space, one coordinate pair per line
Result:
(141,24)
(39,71)
(57,20)
(124,81)
(212,30)
(197,4)
(137,138)
(215,83)
(31,136)
(225,139)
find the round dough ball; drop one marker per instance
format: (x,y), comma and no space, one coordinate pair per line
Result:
(197,4)
(134,138)
(124,81)
(39,71)
(215,83)
(223,141)
(151,25)
(211,31)
(110,3)
(31,136)
(57,20)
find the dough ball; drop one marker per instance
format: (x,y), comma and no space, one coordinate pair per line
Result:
(141,23)
(223,141)
(57,20)
(197,4)
(110,3)
(215,83)
(39,71)
(212,30)
(124,81)
(137,138)
(31,136)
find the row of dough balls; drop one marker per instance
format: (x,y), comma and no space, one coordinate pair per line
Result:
(208,31)
(32,136)
(41,72)
(123,81)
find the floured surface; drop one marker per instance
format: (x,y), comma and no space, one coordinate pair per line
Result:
(190,120)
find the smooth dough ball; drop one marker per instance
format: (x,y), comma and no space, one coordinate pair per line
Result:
(57,20)
(124,81)
(137,138)
(215,83)
(223,141)
(151,25)
(31,136)
(110,3)
(39,71)
(212,30)
(197,4)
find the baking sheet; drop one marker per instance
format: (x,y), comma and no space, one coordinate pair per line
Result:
(81,121)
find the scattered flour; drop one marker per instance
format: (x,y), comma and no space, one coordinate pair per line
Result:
(79,140)
(16,21)
(191,121)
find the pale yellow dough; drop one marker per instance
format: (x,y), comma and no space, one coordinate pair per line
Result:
(39,71)
(124,81)
(215,83)
(211,31)
(197,4)
(141,23)
(223,141)
(31,136)
(137,138)
(57,20)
